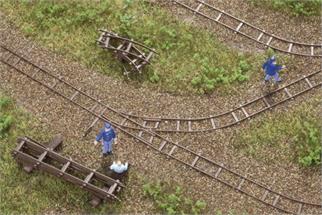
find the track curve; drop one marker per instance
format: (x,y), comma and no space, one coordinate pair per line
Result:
(236,115)
(250,31)
(196,161)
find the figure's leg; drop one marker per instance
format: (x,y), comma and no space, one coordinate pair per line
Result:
(105,147)
(267,77)
(110,145)
(277,78)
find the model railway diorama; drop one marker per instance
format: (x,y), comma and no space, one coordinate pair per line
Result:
(153,131)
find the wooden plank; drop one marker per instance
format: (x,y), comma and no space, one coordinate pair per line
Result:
(287,92)
(178,125)
(42,156)
(241,183)
(94,107)
(269,41)
(212,120)
(239,26)
(140,133)
(198,8)
(265,195)
(129,46)
(218,172)
(244,111)
(299,210)
(107,41)
(266,102)
(88,178)
(260,36)
(144,123)
(112,188)
(124,121)
(308,82)
(172,150)
(196,159)
(148,57)
(64,168)
(312,50)
(74,95)
(276,199)
(218,17)
(35,73)
(162,145)
(235,116)
(151,139)
(21,143)
(189,126)
(290,47)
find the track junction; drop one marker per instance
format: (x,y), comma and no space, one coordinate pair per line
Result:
(194,160)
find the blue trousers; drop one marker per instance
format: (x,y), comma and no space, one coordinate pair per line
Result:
(107,146)
(276,77)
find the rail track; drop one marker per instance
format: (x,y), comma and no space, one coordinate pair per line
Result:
(32,154)
(256,34)
(234,116)
(216,171)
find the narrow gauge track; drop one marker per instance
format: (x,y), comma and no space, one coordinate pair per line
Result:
(234,116)
(250,31)
(183,155)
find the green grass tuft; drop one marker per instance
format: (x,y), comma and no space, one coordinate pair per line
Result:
(172,201)
(38,192)
(294,7)
(292,136)
(190,60)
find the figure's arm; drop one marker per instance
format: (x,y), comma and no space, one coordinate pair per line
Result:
(114,137)
(98,138)
(112,166)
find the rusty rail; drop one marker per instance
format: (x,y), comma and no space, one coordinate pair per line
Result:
(257,35)
(196,161)
(32,155)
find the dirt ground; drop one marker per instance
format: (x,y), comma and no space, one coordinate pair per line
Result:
(290,179)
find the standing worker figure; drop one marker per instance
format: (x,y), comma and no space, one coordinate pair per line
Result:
(271,70)
(107,136)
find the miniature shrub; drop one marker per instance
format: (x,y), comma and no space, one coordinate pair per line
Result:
(308,140)
(6,120)
(295,7)
(70,28)
(293,136)
(209,76)
(172,201)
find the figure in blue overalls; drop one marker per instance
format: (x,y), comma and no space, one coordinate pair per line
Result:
(271,70)
(107,136)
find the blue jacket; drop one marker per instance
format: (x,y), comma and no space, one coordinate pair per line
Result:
(272,69)
(107,136)
(269,61)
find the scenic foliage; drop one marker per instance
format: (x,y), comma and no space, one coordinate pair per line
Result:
(172,201)
(294,7)
(294,136)
(34,193)
(71,28)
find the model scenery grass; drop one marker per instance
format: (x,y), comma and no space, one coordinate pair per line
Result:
(190,60)
(286,137)
(34,193)
(293,7)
